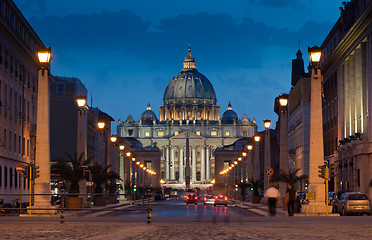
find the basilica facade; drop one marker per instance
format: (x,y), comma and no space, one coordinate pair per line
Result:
(189,111)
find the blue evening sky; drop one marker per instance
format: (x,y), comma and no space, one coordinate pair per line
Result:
(125,52)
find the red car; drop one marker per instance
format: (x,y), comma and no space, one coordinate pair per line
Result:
(192,199)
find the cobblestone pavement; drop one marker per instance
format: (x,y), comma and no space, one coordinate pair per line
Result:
(281,229)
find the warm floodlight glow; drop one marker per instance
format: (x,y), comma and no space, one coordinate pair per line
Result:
(101,125)
(141,165)
(239,159)
(121,147)
(244,154)
(128,154)
(230,167)
(249,147)
(267,124)
(213,181)
(138,163)
(133,159)
(162,181)
(257,139)
(235,162)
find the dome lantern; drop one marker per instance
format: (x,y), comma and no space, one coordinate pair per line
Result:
(189,62)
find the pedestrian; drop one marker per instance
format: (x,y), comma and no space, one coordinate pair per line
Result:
(291,197)
(298,205)
(272,195)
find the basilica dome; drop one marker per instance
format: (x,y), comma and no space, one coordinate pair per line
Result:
(230,116)
(148,117)
(189,86)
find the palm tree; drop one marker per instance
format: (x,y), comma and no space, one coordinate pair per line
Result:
(290,178)
(256,184)
(71,171)
(102,176)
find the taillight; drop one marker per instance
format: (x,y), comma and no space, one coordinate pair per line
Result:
(187,198)
(196,198)
(205,199)
(225,198)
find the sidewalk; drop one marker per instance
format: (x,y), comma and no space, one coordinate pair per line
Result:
(261,209)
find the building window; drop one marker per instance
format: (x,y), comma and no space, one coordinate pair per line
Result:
(15,178)
(130,132)
(60,89)
(198,133)
(227,133)
(160,134)
(213,133)
(5,177)
(11,177)
(147,134)
(175,133)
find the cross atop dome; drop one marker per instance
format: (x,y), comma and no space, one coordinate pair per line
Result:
(189,62)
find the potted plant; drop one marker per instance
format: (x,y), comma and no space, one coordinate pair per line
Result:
(255,186)
(70,170)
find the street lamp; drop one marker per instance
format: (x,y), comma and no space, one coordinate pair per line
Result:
(122,196)
(113,139)
(101,125)
(316,151)
(267,163)
(121,147)
(256,156)
(81,102)
(42,184)
(283,150)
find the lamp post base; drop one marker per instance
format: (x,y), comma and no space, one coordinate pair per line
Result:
(317,209)
(41,211)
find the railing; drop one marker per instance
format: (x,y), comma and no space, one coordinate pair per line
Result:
(60,203)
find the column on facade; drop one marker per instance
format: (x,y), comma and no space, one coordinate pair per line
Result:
(181,168)
(166,164)
(213,114)
(207,165)
(172,161)
(346,98)
(193,171)
(202,163)
(358,91)
(352,96)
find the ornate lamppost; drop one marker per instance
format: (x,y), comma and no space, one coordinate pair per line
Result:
(42,184)
(316,151)
(267,163)
(283,151)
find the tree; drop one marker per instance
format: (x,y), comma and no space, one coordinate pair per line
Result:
(101,176)
(290,178)
(256,185)
(71,171)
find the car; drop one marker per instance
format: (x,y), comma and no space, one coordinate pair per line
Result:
(353,203)
(208,199)
(159,195)
(192,199)
(220,200)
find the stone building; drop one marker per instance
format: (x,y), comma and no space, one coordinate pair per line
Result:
(346,67)
(190,111)
(18,97)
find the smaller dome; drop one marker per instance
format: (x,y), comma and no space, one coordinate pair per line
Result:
(148,117)
(229,116)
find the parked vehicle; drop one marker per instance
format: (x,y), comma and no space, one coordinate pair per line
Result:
(192,199)
(220,200)
(159,195)
(208,199)
(353,203)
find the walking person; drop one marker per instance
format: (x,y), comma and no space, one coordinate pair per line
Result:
(272,195)
(291,196)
